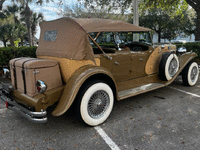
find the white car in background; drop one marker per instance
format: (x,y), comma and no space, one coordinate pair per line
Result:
(178,41)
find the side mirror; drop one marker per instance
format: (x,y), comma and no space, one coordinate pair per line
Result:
(118,47)
(182,50)
(117,41)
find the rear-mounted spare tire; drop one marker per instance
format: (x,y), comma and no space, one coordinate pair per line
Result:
(168,67)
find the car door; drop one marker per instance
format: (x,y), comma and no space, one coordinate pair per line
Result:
(121,67)
(139,60)
(142,57)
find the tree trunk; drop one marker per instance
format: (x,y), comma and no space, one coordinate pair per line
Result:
(28,23)
(197,36)
(4,43)
(159,36)
(12,42)
(32,38)
(22,41)
(29,34)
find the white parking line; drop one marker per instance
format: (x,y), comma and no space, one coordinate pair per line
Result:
(106,138)
(184,91)
(2,110)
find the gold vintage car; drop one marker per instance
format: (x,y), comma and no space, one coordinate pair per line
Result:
(90,63)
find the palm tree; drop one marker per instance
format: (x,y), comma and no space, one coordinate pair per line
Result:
(13,10)
(21,1)
(36,19)
(22,33)
(3,35)
(8,30)
(27,17)
(11,33)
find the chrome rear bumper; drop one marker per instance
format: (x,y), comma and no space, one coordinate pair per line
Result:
(36,117)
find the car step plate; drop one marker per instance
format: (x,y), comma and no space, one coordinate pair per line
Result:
(142,89)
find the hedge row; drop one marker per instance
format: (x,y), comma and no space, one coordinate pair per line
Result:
(195,47)
(6,54)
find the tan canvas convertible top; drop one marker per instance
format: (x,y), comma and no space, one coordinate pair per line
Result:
(67,37)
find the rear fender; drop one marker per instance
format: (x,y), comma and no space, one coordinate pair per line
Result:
(184,59)
(74,84)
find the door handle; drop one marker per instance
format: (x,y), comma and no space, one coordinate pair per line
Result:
(117,63)
(141,59)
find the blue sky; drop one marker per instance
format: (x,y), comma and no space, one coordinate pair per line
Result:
(49,10)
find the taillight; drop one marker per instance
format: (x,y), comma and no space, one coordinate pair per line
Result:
(6,104)
(41,86)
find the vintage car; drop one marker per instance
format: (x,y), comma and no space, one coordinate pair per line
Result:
(90,63)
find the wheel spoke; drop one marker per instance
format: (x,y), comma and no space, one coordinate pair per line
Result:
(172,67)
(193,74)
(98,104)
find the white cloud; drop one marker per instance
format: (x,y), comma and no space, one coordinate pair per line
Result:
(49,9)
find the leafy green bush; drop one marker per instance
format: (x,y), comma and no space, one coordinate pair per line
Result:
(6,54)
(195,47)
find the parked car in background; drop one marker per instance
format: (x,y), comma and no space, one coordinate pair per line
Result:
(90,63)
(178,41)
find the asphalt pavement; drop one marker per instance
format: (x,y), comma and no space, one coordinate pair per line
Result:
(163,119)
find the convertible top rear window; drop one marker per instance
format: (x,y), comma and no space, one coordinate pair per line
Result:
(50,35)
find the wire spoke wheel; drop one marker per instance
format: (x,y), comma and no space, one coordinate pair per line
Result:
(190,74)
(169,66)
(98,104)
(193,74)
(173,67)
(95,103)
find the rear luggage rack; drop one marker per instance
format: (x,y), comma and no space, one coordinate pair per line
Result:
(36,117)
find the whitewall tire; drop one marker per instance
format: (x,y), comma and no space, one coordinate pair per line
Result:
(95,103)
(169,66)
(190,74)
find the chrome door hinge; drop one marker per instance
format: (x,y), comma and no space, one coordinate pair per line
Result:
(34,72)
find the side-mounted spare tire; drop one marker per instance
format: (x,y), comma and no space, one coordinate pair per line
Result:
(169,66)
(190,74)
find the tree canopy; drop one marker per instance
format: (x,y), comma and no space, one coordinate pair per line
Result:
(18,22)
(79,11)
(173,8)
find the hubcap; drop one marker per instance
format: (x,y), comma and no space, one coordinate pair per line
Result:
(98,104)
(173,67)
(193,74)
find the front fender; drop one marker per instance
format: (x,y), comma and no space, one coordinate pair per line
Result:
(184,59)
(73,85)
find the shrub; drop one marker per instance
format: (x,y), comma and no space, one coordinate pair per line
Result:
(195,47)
(6,54)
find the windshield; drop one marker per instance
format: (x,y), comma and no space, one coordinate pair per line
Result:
(119,40)
(131,37)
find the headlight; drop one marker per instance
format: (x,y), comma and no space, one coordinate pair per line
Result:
(182,50)
(41,86)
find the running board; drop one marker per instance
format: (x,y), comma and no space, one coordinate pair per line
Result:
(139,90)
